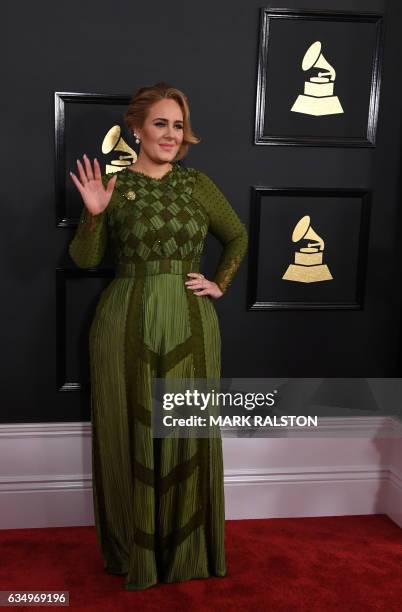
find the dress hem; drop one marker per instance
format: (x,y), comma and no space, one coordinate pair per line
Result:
(130,587)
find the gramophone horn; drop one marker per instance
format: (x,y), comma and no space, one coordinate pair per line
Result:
(113,141)
(313,58)
(303,229)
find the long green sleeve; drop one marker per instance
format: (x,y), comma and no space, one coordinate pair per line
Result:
(90,239)
(225,225)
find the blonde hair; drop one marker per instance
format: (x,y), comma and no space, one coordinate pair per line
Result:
(146,96)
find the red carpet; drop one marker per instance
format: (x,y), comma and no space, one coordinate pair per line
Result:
(312,564)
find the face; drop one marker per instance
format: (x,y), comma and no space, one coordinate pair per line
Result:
(162,132)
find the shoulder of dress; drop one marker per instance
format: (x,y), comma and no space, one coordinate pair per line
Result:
(188,170)
(198,176)
(187,177)
(194,186)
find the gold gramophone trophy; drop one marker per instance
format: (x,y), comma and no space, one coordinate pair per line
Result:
(318,98)
(308,266)
(113,141)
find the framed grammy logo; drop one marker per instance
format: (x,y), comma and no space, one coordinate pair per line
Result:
(91,124)
(308,248)
(309,92)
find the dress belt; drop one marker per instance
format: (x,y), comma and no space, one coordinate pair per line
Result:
(157,266)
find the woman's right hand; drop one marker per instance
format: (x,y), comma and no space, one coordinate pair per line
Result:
(95,196)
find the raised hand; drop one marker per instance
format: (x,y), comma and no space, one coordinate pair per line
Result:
(95,196)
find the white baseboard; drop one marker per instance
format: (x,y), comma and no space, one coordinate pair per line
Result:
(45,473)
(301,492)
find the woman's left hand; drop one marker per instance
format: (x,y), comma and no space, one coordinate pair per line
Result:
(198,281)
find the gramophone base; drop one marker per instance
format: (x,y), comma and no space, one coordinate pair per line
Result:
(308,105)
(307,274)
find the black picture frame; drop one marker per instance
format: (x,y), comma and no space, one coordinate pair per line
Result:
(360,226)
(63,313)
(263,135)
(62,102)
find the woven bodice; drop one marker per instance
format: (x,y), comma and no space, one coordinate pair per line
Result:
(150,219)
(161,221)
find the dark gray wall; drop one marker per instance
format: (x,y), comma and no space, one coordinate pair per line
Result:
(209,50)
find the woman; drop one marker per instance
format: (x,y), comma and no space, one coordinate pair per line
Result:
(158,503)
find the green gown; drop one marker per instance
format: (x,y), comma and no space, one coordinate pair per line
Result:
(158,502)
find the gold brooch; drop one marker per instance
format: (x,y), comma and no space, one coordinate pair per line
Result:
(130,195)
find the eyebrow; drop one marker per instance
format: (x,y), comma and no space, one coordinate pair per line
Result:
(164,119)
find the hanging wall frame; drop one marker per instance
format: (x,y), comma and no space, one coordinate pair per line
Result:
(308,248)
(93,124)
(318,78)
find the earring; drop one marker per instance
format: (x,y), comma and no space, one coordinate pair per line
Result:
(137,140)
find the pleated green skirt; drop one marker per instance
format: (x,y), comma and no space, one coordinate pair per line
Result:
(158,503)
